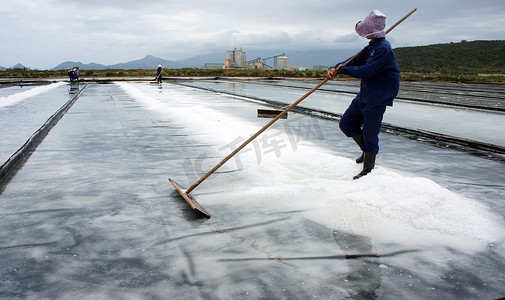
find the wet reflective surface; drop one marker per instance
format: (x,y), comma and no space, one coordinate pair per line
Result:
(92,213)
(24,110)
(460,122)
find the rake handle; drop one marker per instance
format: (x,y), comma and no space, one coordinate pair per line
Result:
(281,115)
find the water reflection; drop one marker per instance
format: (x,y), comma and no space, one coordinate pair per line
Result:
(235,86)
(73,88)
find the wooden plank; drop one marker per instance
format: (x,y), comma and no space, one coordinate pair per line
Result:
(268,113)
(190,199)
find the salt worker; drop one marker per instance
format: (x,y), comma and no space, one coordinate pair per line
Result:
(73,74)
(70,74)
(76,74)
(380,82)
(158,74)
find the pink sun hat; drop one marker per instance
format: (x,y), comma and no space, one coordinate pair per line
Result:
(372,26)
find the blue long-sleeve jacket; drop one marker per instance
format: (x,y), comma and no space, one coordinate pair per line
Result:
(379,73)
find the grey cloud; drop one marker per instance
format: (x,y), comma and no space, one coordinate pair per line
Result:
(43,33)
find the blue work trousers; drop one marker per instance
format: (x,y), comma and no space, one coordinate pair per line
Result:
(363,117)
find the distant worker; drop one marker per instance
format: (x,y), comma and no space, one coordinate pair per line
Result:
(380,82)
(70,74)
(76,73)
(73,74)
(158,74)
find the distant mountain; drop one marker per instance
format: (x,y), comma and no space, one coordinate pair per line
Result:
(2,68)
(18,66)
(80,65)
(148,62)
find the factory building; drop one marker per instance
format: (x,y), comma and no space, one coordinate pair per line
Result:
(237,59)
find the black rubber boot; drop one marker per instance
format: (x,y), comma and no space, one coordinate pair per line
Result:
(368,165)
(360,158)
(358,138)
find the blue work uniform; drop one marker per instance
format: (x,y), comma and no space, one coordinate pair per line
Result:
(380,82)
(73,75)
(70,74)
(158,74)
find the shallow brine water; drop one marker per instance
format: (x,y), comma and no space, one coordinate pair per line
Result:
(466,123)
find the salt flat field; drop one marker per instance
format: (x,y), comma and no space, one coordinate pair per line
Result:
(91,212)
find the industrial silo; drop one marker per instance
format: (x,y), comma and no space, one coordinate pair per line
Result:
(239,58)
(228,62)
(282,62)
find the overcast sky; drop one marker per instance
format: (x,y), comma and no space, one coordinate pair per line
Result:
(43,33)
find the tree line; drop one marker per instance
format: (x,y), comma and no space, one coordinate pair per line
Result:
(464,58)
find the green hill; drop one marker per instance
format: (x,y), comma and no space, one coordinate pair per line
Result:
(465,58)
